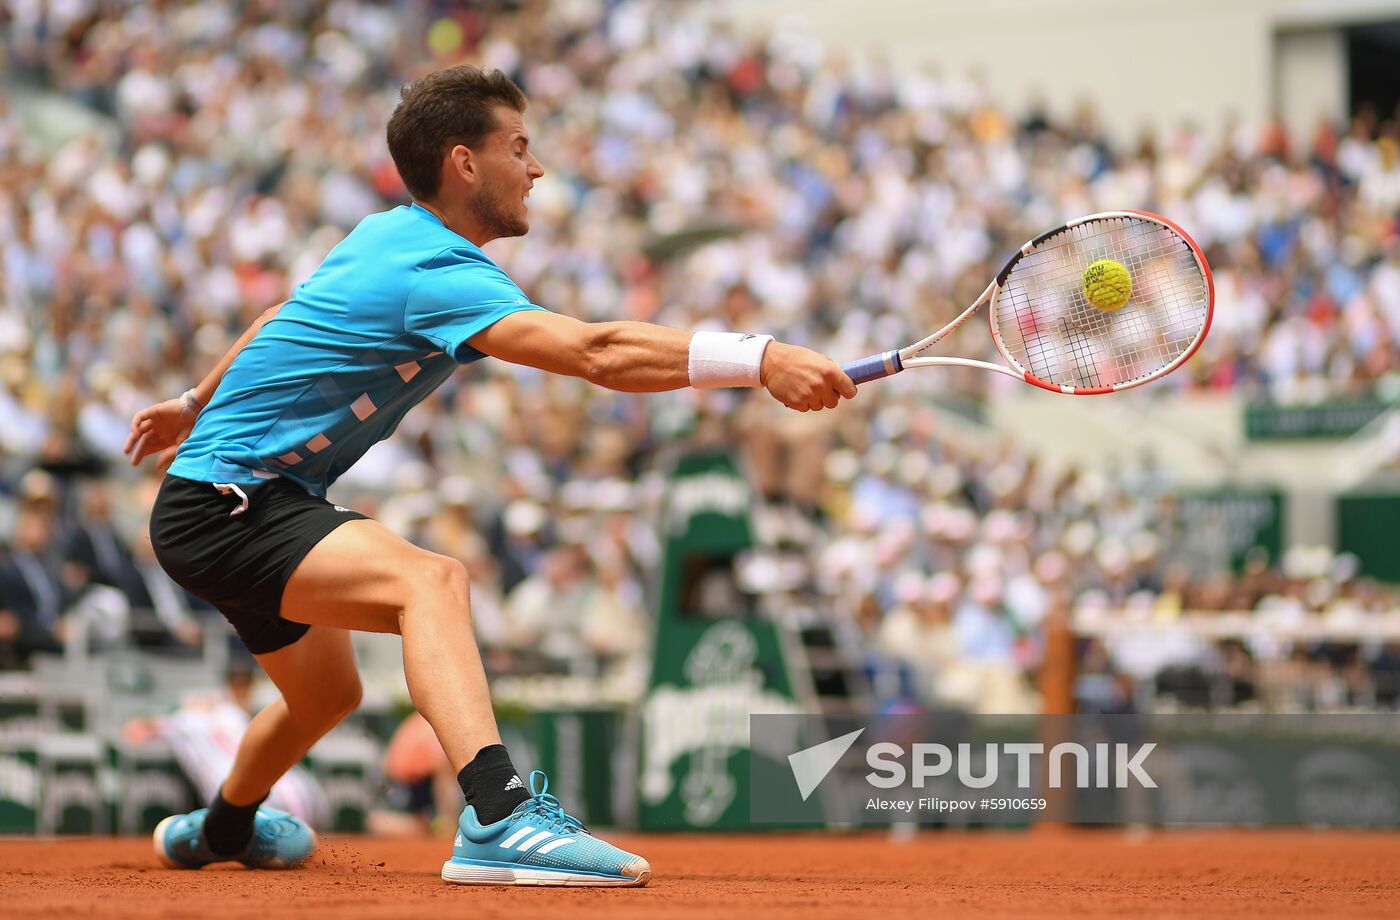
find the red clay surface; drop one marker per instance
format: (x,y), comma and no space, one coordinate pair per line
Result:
(983,875)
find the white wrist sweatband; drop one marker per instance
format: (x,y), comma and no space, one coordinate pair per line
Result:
(726,359)
(189,403)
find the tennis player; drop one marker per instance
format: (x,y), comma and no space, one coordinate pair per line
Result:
(242,520)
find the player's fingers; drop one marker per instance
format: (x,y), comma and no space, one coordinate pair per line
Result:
(845,386)
(138,423)
(149,449)
(139,450)
(832,398)
(166,458)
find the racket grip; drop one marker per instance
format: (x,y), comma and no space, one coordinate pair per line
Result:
(874,367)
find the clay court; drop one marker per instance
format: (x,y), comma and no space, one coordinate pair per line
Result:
(1052,874)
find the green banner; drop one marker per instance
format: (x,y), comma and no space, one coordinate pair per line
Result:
(150,786)
(72,800)
(575,747)
(1366,527)
(715,662)
(1268,422)
(347,769)
(1228,524)
(20,784)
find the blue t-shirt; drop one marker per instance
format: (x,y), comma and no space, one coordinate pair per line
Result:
(383,321)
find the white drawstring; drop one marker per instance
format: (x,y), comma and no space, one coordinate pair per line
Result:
(228,488)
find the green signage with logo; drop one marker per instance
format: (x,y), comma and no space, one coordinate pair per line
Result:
(1268,422)
(1229,523)
(716,662)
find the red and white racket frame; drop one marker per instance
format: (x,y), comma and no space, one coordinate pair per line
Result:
(892,362)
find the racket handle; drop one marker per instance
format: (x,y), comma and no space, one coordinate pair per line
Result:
(874,367)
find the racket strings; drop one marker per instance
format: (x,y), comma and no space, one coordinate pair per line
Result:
(1132,346)
(1048,325)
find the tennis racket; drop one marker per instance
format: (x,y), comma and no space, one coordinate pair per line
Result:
(1059,316)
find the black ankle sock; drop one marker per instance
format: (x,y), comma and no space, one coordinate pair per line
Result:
(228,828)
(491,784)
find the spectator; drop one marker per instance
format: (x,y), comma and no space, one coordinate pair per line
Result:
(34,592)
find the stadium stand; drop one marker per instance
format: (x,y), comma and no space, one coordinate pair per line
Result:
(695,179)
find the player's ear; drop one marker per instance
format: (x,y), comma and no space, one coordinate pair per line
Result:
(461,162)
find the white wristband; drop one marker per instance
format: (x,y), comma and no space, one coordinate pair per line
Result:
(189,403)
(726,359)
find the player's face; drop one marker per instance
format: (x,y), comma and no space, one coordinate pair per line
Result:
(507,172)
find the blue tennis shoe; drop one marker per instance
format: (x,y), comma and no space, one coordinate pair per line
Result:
(538,844)
(279,841)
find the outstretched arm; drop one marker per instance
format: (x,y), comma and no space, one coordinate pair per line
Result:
(645,358)
(159,429)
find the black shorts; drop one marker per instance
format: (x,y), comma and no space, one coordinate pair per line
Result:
(240,562)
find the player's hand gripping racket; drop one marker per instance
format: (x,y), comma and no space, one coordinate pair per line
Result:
(1104,303)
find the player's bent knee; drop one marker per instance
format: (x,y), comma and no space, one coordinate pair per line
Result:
(349,699)
(438,576)
(334,704)
(436,587)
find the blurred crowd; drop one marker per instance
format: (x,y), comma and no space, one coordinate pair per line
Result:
(695,178)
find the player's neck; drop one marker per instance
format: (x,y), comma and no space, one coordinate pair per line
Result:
(460,220)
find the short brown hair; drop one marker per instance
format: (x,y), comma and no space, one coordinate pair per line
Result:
(446,108)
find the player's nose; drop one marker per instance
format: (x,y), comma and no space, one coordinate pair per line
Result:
(536,168)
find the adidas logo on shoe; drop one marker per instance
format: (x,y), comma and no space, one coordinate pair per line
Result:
(514,783)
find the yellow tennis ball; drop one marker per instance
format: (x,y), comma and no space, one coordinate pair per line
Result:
(444,36)
(1107,284)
